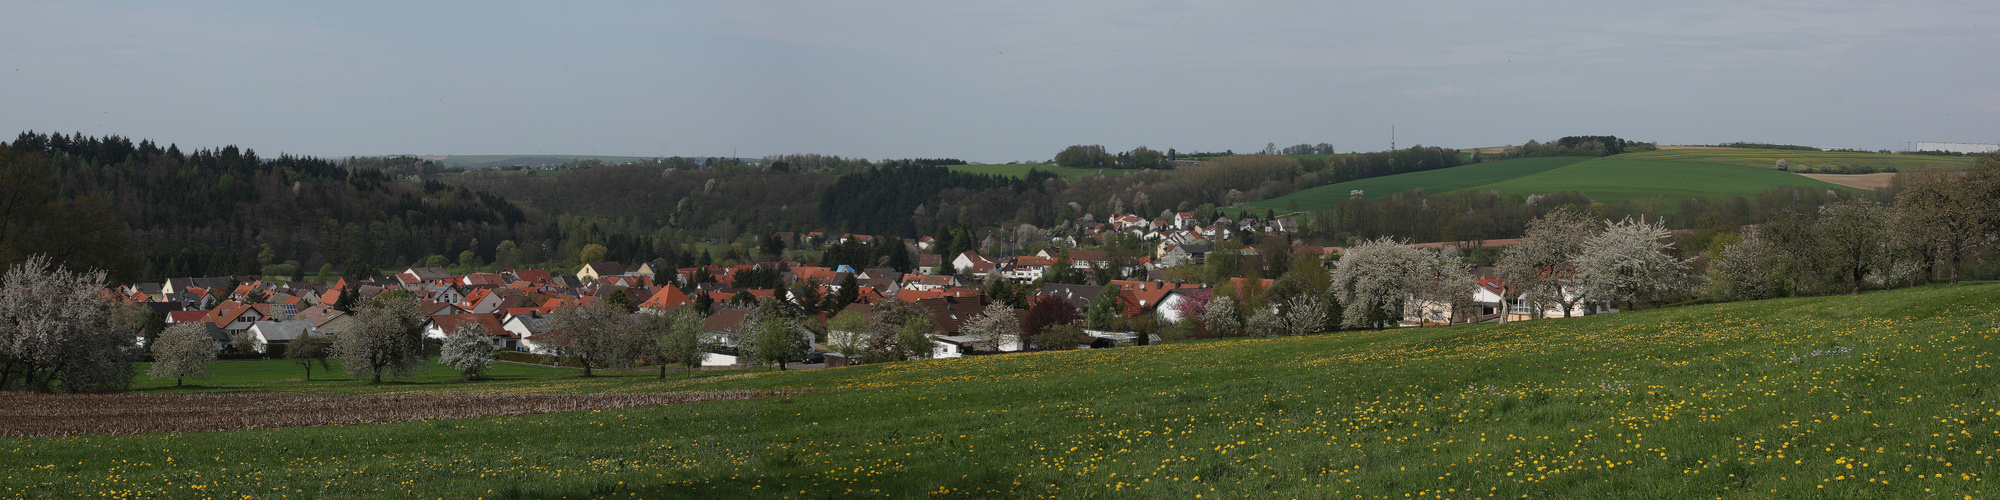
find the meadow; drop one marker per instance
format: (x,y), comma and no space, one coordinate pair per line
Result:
(1879,395)
(1619,178)
(1432,181)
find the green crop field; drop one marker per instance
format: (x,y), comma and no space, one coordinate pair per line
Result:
(1768,158)
(1433,181)
(1620,178)
(1881,395)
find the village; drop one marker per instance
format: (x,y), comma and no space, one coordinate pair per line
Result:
(248,316)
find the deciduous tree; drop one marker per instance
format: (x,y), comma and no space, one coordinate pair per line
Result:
(387,339)
(56,331)
(467,350)
(184,350)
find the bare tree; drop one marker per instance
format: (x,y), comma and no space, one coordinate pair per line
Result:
(1744,270)
(1629,262)
(184,350)
(1543,264)
(597,336)
(466,350)
(387,339)
(1854,235)
(56,331)
(1942,215)
(1304,313)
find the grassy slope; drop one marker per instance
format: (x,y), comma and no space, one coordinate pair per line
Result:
(1768,158)
(1433,181)
(1882,395)
(1621,178)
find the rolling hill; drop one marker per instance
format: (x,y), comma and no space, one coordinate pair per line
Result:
(1433,181)
(1620,178)
(1879,395)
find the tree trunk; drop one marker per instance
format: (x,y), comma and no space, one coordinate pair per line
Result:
(663,370)
(177,380)
(586,367)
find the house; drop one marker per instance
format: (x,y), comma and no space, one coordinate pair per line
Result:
(1169,308)
(668,297)
(649,269)
(481,301)
(427,274)
(972,263)
(264,334)
(327,320)
(525,326)
(235,317)
(1078,296)
(928,263)
(724,327)
(483,280)
(1176,255)
(441,327)
(596,270)
(1185,220)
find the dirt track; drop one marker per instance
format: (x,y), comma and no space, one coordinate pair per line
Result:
(1861,181)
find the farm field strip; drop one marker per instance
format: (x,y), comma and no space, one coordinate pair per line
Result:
(1768,158)
(28,415)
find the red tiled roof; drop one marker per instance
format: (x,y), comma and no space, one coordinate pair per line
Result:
(450,322)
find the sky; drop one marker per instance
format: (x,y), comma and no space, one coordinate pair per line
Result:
(993,82)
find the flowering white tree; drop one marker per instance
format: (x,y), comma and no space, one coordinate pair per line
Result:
(466,350)
(387,339)
(1543,264)
(1376,279)
(994,325)
(1628,262)
(56,331)
(1220,318)
(184,350)
(1303,314)
(1745,270)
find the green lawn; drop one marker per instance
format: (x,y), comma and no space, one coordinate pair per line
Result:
(1881,395)
(1621,178)
(1432,181)
(1768,158)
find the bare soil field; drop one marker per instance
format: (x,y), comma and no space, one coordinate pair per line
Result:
(27,414)
(1860,181)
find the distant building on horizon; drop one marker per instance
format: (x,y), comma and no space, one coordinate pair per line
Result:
(1958,147)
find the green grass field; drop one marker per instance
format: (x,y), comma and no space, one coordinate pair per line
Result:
(1620,178)
(1433,181)
(1768,158)
(1881,395)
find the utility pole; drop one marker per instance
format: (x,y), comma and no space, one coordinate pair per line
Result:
(1392,137)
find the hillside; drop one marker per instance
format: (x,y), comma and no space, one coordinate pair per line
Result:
(1621,178)
(1432,181)
(1881,395)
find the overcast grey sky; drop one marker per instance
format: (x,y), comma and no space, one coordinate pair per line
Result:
(995,81)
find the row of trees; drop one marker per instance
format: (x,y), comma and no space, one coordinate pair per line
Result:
(1094,156)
